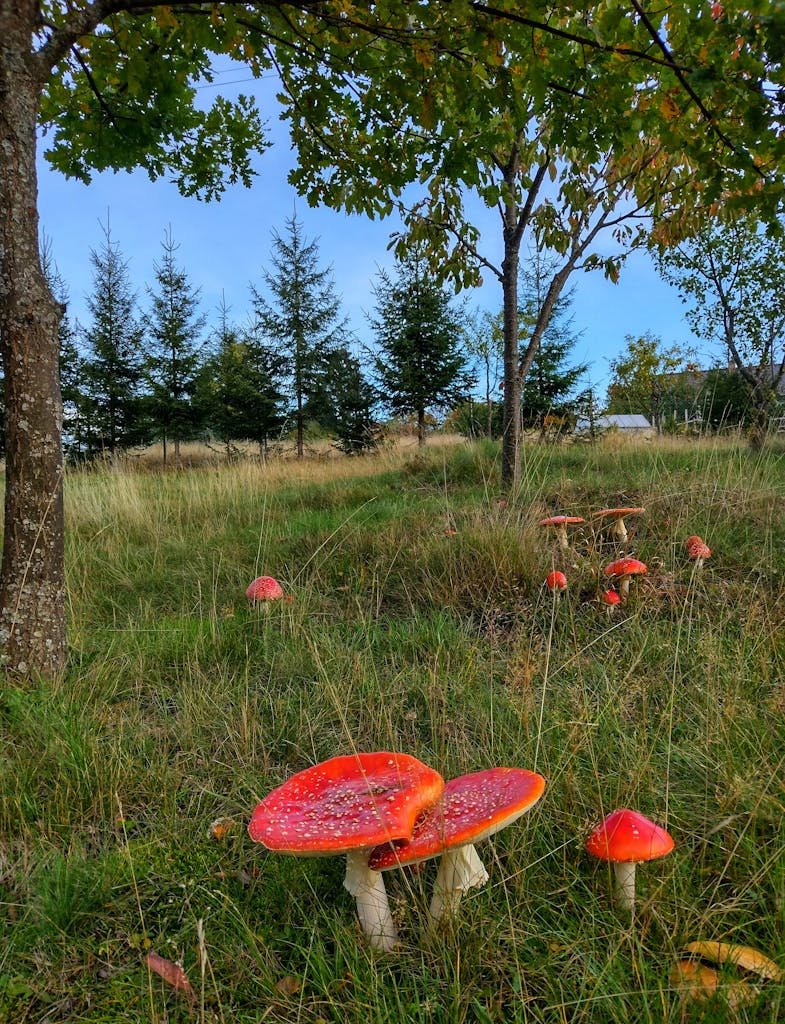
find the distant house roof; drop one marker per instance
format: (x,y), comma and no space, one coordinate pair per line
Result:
(621,421)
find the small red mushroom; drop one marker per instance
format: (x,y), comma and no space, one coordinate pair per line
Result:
(473,807)
(617,515)
(560,524)
(610,599)
(623,569)
(264,588)
(348,805)
(697,550)
(626,839)
(556,582)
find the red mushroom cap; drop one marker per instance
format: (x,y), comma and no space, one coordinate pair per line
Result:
(698,549)
(692,539)
(627,837)
(625,567)
(617,513)
(610,597)
(349,802)
(264,588)
(556,580)
(561,520)
(472,808)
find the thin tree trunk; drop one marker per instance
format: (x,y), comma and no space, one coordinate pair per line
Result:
(511,413)
(420,427)
(32,589)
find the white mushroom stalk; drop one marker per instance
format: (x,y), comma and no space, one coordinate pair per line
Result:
(624,884)
(373,908)
(459,870)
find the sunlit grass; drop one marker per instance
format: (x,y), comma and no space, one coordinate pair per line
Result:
(183,705)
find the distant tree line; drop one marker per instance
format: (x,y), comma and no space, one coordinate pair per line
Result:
(148,370)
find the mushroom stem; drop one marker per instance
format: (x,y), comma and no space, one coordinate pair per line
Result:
(373,909)
(624,888)
(624,587)
(561,533)
(460,869)
(620,530)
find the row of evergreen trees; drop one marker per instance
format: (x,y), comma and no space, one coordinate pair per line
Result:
(129,378)
(135,375)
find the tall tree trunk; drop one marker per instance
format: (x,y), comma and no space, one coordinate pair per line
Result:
(511,412)
(32,599)
(420,427)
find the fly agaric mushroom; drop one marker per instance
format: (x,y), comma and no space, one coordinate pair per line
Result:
(350,804)
(556,582)
(560,524)
(472,807)
(697,550)
(625,839)
(618,529)
(610,599)
(623,569)
(263,589)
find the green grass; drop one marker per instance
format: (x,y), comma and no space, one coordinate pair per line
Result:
(183,705)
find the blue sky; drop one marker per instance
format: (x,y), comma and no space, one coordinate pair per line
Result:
(225,245)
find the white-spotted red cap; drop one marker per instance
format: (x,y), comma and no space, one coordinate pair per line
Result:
(472,808)
(264,588)
(625,567)
(347,803)
(698,548)
(627,837)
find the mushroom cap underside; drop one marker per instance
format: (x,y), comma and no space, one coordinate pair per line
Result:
(627,837)
(617,513)
(473,807)
(350,802)
(561,521)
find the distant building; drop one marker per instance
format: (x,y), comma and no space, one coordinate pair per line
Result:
(626,423)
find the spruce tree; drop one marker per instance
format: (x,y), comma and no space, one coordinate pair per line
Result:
(300,314)
(241,386)
(112,368)
(174,350)
(356,429)
(421,363)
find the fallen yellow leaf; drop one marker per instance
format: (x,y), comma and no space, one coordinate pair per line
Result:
(746,957)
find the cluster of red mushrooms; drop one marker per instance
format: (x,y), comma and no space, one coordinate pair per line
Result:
(386,810)
(620,570)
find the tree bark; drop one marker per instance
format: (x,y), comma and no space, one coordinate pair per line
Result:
(511,411)
(420,428)
(32,588)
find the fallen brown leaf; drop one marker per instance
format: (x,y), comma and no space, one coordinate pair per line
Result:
(288,985)
(172,973)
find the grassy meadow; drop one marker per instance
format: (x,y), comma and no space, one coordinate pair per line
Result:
(183,705)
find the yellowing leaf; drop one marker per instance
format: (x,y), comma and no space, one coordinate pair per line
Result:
(694,981)
(220,828)
(746,957)
(165,18)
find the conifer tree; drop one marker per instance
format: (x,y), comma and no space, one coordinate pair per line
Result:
(174,350)
(241,386)
(300,315)
(421,362)
(356,429)
(113,362)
